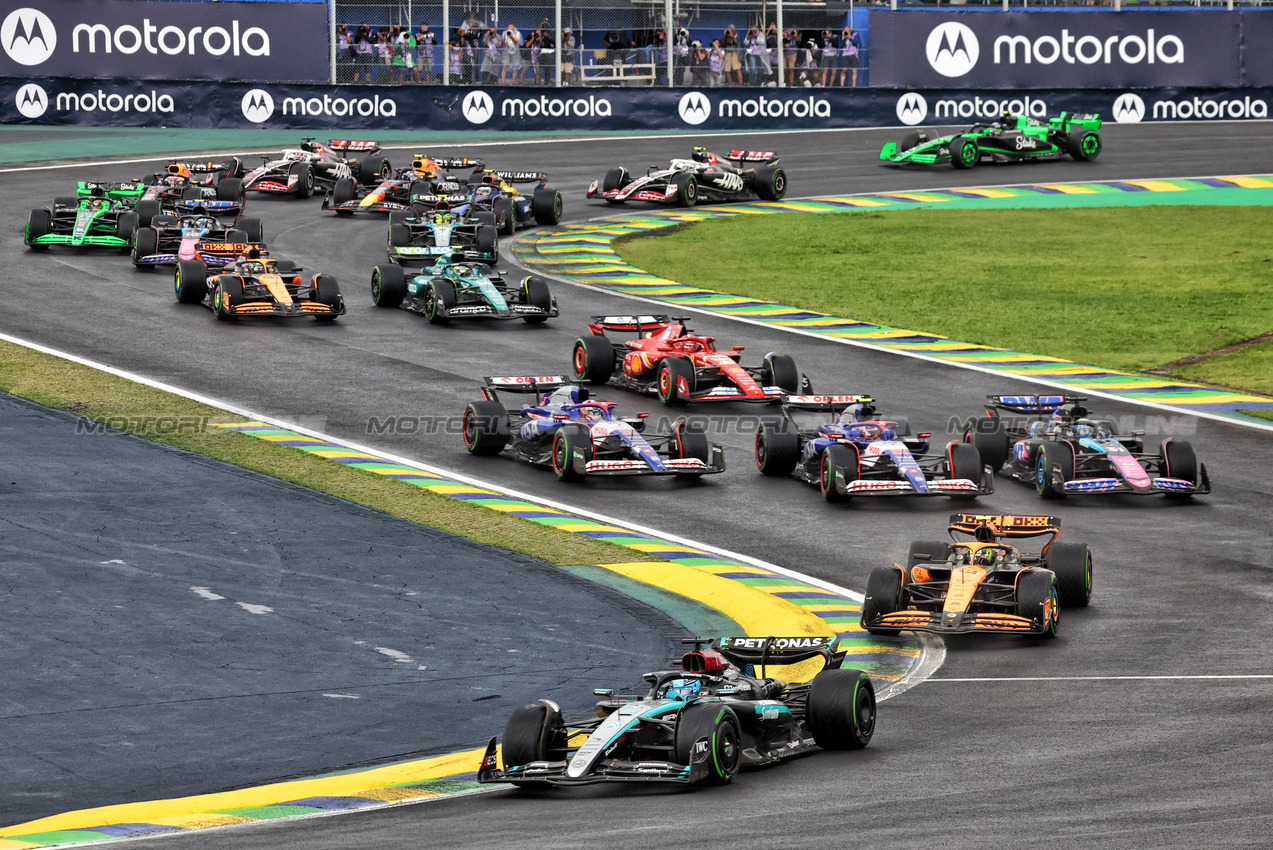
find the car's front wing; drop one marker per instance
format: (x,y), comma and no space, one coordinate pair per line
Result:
(275,308)
(958,623)
(605,770)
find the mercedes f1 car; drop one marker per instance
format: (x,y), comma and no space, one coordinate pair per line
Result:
(854,452)
(698,724)
(428,233)
(299,171)
(93,221)
(981,585)
(256,285)
(668,360)
(1055,444)
(578,436)
(447,290)
(704,178)
(1013,138)
(198,235)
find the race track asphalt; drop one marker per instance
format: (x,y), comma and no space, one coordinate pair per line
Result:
(1182,590)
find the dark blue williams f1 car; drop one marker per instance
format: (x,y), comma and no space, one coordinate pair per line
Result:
(698,724)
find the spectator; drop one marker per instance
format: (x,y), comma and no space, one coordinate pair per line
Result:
(808,57)
(403,54)
(659,58)
(491,44)
(533,45)
(511,70)
(344,48)
(850,47)
(757,57)
(364,46)
(830,58)
(384,53)
(681,56)
(456,58)
(699,64)
(547,54)
(568,49)
(716,64)
(790,46)
(470,42)
(733,64)
(425,42)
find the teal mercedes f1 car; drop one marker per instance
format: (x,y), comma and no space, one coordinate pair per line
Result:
(1013,138)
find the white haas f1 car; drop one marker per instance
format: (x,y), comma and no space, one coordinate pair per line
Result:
(578,436)
(695,725)
(299,171)
(705,177)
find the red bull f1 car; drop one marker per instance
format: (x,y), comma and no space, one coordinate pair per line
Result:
(697,725)
(257,285)
(668,360)
(578,436)
(982,584)
(1014,138)
(1055,444)
(315,166)
(703,178)
(391,192)
(839,444)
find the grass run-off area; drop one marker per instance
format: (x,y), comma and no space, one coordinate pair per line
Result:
(96,395)
(1125,288)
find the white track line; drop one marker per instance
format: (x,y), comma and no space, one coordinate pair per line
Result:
(1110,678)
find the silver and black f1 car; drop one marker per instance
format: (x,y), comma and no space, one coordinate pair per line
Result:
(847,450)
(256,285)
(447,290)
(699,724)
(704,178)
(300,171)
(429,232)
(578,436)
(1054,443)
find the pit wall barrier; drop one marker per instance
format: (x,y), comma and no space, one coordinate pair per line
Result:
(354,110)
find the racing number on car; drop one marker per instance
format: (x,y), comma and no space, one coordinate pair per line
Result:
(730,182)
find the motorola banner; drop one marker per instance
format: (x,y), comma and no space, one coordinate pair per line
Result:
(1053,49)
(348,110)
(193,40)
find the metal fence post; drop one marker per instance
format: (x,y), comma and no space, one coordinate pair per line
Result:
(446,42)
(561,45)
(782,50)
(669,39)
(331,39)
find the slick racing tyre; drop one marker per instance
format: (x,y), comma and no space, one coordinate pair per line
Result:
(534,732)
(145,243)
(593,359)
(546,206)
(39,224)
(964,153)
(227,293)
(125,227)
(439,296)
(66,201)
(535,292)
(839,467)
(190,281)
(374,171)
(675,376)
(841,709)
(327,291)
(777,447)
(616,178)
(936,550)
(883,596)
(964,461)
(1179,461)
(719,725)
(231,189)
(1071,563)
(1037,600)
(343,193)
(1055,460)
(779,370)
(689,442)
(399,235)
(569,443)
(252,228)
(770,183)
(991,439)
(1084,146)
(398,217)
(488,243)
(388,285)
(486,428)
(912,140)
(304,173)
(505,215)
(146,212)
(686,186)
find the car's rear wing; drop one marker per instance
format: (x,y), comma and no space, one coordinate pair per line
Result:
(823,403)
(1086,120)
(751,156)
(641,324)
(1030,403)
(229,167)
(522,176)
(762,651)
(454,162)
(353,145)
(1005,525)
(90,188)
(536,384)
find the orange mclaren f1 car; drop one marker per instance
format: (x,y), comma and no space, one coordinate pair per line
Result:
(983,584)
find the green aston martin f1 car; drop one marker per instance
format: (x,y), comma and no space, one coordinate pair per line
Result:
(1012,138)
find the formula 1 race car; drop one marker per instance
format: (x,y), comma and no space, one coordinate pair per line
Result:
(982,585)
(447,290)
(299,171)
(668,360)
(391,191)
(1053,444)
(1013,138)
(577,436)
(427,233)
(698,724)
(198,235)
(180,187)
(857,453)
(704,178)
(256,285)
(95,221)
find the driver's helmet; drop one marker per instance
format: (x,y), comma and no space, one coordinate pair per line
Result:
(704,156)
(1084,428)
(96,204)
(203,223)
(682,689)
(869,431)
(426,166)
(252,266)
(563,396)
(987,557)
(1008,119)
(174,180)
(179,169)
(490,178)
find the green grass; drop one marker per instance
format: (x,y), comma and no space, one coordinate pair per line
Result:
(1124,288)
(87,392)
(1251,368)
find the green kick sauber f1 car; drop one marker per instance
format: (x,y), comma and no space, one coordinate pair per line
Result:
(1012,138)
(81,222)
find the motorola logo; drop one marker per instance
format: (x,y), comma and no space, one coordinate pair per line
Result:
(477,107)
(1129,108)
(694,108)
(912,108)
(32,100)
(28,36)
(952,49)
(258,106)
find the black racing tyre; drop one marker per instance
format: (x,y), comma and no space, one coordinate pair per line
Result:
(675,377)
(486,428)
(840,709)
(1179,461)
(1084,145)
(535,292)
(883,596)
(417,189)
(779,370)
(571,441)
(689,442)
(343,191)
(485,217)
(488,242)
(964,153)
(66,201)
(533,733)
(593,359)
(304,172)
(227,292)
(327,291)
(145,243)
(964,461)
(388,285)
(236,235)
(374,171)
(192,193)
(937,551)
(253,227)
(546,206)
(770,183)
(719,725)
(125,228)
(231,189)
(190,281)
(686,186)
(991,439)
(505,215)
(1053,458)
(1071,563)
(910,140)
(146,211)
(777,447)
(439,295)
(399,235)
(39,223)
(616,178)
(843,459)
(399,216)
(1037,600)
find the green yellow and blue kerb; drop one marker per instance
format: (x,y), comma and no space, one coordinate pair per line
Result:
(761,601)
(583,253)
